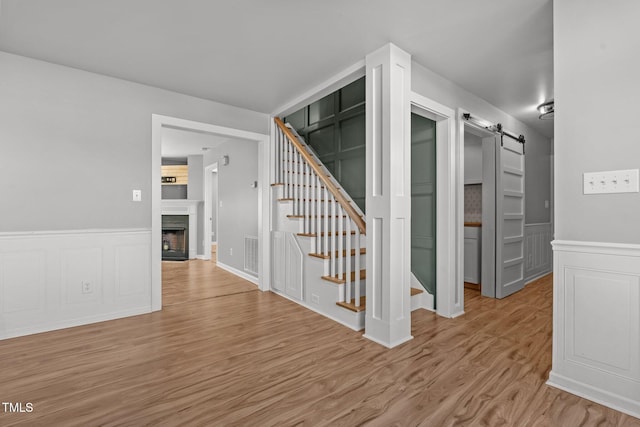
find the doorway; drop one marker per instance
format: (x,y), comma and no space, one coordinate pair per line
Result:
(423,204)
(494,199)
(211,204)
(262,187)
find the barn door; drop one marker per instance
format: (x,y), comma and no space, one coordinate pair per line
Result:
(509,216)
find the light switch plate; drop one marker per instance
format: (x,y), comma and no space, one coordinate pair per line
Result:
(620,181)
(137,195)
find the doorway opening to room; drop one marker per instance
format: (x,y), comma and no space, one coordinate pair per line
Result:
(211,202)
(193,165)
(494,203)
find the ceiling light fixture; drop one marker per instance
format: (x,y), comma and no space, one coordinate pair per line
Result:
(546,110)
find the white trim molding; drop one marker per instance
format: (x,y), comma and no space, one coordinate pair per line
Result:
(242,274)
(596,323)
(58,279)
(388,189)
(449,297)
(189,208)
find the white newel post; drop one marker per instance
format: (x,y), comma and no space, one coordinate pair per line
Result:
(388,121)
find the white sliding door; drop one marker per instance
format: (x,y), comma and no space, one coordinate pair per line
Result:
(509,217)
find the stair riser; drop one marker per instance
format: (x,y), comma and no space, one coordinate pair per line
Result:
(327,265)
(313,240)
(363,287)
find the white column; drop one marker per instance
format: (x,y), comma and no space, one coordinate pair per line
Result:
(388,311)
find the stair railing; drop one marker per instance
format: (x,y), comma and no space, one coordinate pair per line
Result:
(327,213)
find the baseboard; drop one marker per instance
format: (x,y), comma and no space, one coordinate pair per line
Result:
(238,273)
(72,323)
(390,345)
(536,277)
(322,313)
(603,397)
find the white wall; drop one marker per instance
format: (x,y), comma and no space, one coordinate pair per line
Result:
(597,91)
(214,207)
(472,159)
(74,144)
(237,200)
(537,180)
(596,329)
(195,191)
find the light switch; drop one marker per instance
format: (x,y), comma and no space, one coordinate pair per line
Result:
(621,181)
(137,195)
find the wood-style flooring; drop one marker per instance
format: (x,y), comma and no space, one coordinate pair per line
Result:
(256,359)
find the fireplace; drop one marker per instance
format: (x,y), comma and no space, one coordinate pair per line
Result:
(175,237)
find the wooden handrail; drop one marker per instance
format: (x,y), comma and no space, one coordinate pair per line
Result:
(346,205)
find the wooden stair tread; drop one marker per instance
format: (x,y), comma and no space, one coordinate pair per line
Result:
(287,199)
(338,280)
(315,216)
(275,184)
(331,233)
(363,251)
(351,305)
(415,291)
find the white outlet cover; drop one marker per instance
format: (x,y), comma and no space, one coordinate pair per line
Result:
(137,195)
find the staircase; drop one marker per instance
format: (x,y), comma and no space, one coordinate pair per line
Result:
(319,235)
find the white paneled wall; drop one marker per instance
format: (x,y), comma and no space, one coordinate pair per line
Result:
(596,323)
(53,280)
(537,249)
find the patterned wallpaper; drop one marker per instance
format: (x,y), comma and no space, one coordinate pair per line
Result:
(473,203)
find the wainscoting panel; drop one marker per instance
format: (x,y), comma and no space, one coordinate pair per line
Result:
(22,280)
(82,276)
(538,253)
(132,270)
(279,256)
(54,280)
(596,330)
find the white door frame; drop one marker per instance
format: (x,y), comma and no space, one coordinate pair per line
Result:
(449,205)
(157,123)
(208,208)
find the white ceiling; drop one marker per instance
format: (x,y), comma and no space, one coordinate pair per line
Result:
(260,54)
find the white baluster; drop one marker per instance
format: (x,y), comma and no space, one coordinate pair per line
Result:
(347,260)
(278,155)
(285,174)
(318,216)
(326,221)
(340,238)
(307,213)
(333,236)
(290,171)
(296,188)
(356,285)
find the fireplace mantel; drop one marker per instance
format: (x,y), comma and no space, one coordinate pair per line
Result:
(184,207)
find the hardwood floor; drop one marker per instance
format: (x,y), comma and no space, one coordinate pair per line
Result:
(256,359)
(185,281)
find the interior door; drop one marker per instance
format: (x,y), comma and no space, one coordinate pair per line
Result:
(423,201)
(509,216)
